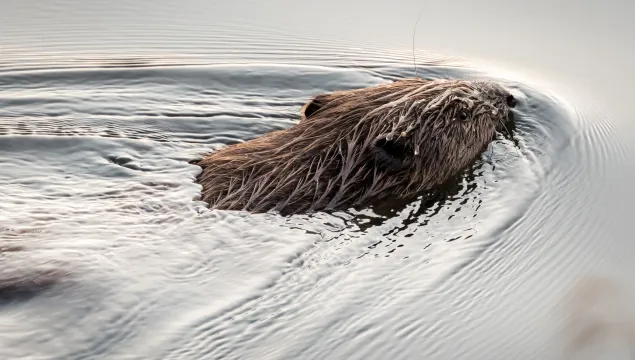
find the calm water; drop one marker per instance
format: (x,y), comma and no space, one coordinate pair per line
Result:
(102,104)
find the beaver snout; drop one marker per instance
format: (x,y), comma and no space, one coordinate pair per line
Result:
(511,101)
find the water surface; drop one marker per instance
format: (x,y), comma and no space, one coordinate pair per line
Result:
(103,104)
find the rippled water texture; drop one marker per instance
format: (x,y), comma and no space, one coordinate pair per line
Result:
(96,131)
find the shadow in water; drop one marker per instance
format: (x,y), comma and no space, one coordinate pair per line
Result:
(596,310)
(24,286)
(20,284)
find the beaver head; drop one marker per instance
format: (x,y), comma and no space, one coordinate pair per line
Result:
(356,147)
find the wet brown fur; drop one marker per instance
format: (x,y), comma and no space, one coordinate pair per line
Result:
(358,147)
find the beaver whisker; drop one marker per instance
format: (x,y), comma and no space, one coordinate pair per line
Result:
(508,132)
(414,32)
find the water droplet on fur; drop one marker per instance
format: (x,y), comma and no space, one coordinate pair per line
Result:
(495,111)
(404,134)
(416,151)
(389,137)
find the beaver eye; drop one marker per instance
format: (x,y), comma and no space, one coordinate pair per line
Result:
(463,115)
(511,101)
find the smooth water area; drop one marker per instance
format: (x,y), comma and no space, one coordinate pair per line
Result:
(103,103)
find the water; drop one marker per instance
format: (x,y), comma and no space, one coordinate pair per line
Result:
(102,104)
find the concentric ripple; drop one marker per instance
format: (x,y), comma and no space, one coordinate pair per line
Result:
(95,181)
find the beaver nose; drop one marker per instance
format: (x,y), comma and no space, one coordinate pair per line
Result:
(511,101)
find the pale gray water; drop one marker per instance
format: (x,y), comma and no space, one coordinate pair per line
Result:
(102,103)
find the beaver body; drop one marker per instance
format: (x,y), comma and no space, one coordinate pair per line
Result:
(357,147)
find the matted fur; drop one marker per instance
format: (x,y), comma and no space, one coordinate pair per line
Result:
(358,147)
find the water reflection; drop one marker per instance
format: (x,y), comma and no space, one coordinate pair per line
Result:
(597,311)
(101,105)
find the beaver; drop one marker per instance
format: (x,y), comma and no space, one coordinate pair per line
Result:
(355,148)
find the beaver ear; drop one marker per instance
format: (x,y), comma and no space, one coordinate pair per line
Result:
(392,155)
(313,106)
